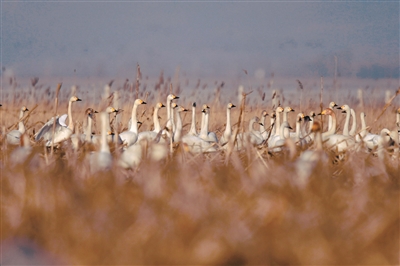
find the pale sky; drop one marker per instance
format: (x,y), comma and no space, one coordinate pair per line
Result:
(205,39)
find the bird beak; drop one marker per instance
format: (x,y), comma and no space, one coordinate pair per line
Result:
(96,112)
(194,104)
(261,124)
(79,100)
(233,105)
(176,97)
(339,107)
(144,102)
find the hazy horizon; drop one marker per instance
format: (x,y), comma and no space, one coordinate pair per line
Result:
(203,39)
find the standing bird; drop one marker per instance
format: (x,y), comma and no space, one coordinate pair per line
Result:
(14,136)
(152,135)
(101,160)
(62,131)
(226,136)
(130,136)
(178,129)
(170,123)
(193,130)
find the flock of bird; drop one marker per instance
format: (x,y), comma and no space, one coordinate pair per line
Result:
(276,136)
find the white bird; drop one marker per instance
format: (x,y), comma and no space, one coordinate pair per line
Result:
(21,154)
(372,141)
(86,137)
(111,138)
(252,137)
(14,136)
(204,133)
(263,130)
(170,122)
(62,132)
(130,136)
(195,144)
(178,126)
(284,134)
(193,130)
(340,143)
(345,109)
(226,136)
(332,105)
(150,136)
(276,136)
(312,115)
(102,160)
(310,158)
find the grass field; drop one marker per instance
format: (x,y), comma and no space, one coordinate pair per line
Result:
(250,208)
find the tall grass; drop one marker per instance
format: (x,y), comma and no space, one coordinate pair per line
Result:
(197,209)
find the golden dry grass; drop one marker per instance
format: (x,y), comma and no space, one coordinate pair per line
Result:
(195,209)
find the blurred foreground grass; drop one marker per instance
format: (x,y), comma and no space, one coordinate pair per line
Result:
(200,211)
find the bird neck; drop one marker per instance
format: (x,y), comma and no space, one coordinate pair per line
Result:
(156,122)
(104,144)
(332,130)
(193,125)
(346,123)
(352,131)
(228,129)
(70,122)
(21,126)
(134,127)
(88,130)
(277,124)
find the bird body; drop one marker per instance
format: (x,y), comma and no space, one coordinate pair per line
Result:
(226,136)
(14,136)
(62,132)
(102,160)
(130,136)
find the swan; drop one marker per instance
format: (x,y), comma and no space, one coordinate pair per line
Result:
(286,112)
(346,109)
(277,126)
(398,118)
(254,137)
(152,135)
(226,136)
(178,129)
(87,135)
(263,130)
(204,133)
(130,136)
(311,115)
(341,143)
(102,160)
(20,155)
(284,134)
(353,128)
(62,131)
(272,129)
(192,130)
(309,159)
(111,138)
(14,136)
(297,134)
(331,105)
(203,117)
(170,123)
